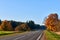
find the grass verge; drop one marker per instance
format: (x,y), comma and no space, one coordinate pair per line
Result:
(52,36)
(2,33)
(5,32)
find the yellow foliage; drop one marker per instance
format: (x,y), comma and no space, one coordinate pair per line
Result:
(6,26)
(52,22)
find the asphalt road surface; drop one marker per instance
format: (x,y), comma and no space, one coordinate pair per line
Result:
(32,35)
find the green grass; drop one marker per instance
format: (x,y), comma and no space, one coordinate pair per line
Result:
(5,32)
(52,36)
(2,33)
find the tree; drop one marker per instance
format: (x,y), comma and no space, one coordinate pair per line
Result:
(22,27)
(6,26)
(15,24)
(31,24)
(0,22)
(51,22)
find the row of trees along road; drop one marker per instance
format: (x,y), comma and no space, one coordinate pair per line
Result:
(52,22)
(18,26)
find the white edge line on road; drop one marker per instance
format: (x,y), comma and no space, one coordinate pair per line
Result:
(40,36)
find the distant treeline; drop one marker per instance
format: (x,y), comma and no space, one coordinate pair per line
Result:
(19,26)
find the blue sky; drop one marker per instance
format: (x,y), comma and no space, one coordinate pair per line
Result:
(25,10)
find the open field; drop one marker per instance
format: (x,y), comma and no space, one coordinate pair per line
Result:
(52,36)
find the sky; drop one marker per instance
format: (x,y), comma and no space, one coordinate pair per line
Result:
(25,10)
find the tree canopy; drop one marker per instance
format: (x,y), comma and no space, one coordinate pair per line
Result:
(52,22)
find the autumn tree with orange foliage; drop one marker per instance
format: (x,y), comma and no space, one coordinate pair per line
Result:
(22,27)
(52,22)
(6,26)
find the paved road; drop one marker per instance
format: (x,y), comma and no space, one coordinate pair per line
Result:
(32,35)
